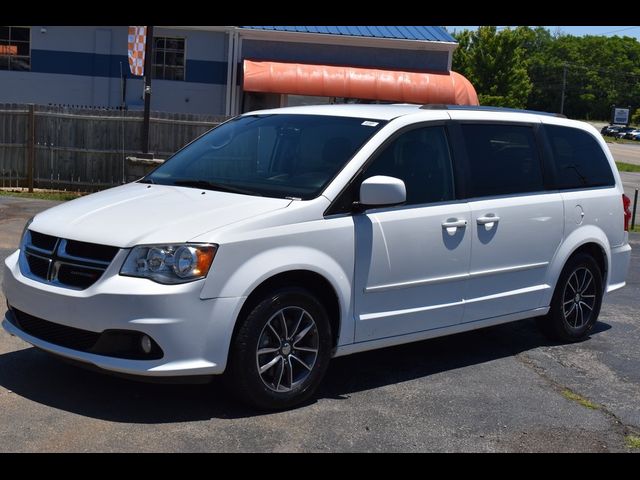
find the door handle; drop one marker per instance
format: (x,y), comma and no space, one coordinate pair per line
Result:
(489,218)
(454,223)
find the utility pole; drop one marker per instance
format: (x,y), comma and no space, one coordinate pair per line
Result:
(564,87)
(147,89)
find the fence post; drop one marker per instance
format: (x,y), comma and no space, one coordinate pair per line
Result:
(31,146)
(635,206)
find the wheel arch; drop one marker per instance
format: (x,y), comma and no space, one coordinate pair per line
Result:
(312,281)
(588,239)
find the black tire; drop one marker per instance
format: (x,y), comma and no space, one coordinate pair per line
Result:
(573,311)
(287,382)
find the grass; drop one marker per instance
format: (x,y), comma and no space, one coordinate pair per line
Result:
(627,167)
(569,395)
(632,441)
(60,196)
(619,140)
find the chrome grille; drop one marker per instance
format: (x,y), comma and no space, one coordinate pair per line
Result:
(67,263)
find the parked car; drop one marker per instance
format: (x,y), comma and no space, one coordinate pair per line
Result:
(631,134)
(612,130)
(605,130)
(286,237)
(622,133)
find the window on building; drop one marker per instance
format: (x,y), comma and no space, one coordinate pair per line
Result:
(168,58)
(15,52)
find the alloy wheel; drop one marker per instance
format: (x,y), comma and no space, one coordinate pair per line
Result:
(579,298)
(287,349)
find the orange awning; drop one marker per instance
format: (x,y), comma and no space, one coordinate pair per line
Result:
(364,83)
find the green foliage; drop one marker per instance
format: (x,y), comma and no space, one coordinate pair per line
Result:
(632,441)
(494,62)
(526,67)
(627,167)
(635,118)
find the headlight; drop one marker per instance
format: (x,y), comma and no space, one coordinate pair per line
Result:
(170,263)
(24,231)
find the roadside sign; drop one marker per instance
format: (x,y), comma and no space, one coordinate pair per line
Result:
(620,116)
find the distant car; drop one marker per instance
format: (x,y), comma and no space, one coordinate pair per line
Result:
(611,130)
(632,134)
(623,131)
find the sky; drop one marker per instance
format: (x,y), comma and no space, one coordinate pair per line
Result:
(577,30)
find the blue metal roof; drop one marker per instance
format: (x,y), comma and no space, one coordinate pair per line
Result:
(434,34)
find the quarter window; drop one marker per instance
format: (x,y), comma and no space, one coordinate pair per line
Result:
(579,159)
(168,58)
(503,159)
(421,159)
(15,52)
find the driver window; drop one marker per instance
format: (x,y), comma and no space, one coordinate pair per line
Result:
(421,159)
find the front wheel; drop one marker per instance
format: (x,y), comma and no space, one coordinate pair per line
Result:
(281,350)
(576,301)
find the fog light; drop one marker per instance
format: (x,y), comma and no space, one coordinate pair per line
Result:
(145,344)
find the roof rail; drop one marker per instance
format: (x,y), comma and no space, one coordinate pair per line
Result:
(437,106)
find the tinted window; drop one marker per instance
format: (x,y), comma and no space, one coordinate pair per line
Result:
(579,159)
(14,48)
(421,159)
(273,155)
(503,159)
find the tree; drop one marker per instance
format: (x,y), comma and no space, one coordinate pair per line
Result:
(495,63)
(600,72)
(528,67)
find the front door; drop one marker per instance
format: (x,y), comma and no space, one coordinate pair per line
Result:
(412,260)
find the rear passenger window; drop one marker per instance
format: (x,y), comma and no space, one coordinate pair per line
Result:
(503,159)
(421,159)
(579,159)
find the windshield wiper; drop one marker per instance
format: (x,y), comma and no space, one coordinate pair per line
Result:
(146,180)
(213,186)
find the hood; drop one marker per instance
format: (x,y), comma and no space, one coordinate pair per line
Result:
(137,213)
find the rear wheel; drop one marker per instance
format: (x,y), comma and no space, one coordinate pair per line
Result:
(576,301)
(281,350)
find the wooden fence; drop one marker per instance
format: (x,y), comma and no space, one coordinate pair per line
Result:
(84,149)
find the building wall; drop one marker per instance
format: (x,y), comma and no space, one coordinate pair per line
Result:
(82,65)
(78,65)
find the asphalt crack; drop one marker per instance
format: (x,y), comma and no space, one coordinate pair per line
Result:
(618,426)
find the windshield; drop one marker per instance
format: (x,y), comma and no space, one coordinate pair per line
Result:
(281,155)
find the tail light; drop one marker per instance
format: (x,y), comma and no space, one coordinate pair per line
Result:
(626,206)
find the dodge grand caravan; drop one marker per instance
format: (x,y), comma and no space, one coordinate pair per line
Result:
(286,237)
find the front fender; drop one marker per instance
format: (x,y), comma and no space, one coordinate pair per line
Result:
(325,247)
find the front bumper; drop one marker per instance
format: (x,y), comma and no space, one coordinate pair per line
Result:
(194,334)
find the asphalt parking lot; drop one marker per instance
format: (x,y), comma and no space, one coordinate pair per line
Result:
(503,388)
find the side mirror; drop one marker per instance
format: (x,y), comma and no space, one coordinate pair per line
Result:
(382,191)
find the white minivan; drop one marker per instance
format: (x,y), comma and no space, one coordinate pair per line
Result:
(286,237)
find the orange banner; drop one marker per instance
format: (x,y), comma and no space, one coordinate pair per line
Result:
(136,40)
